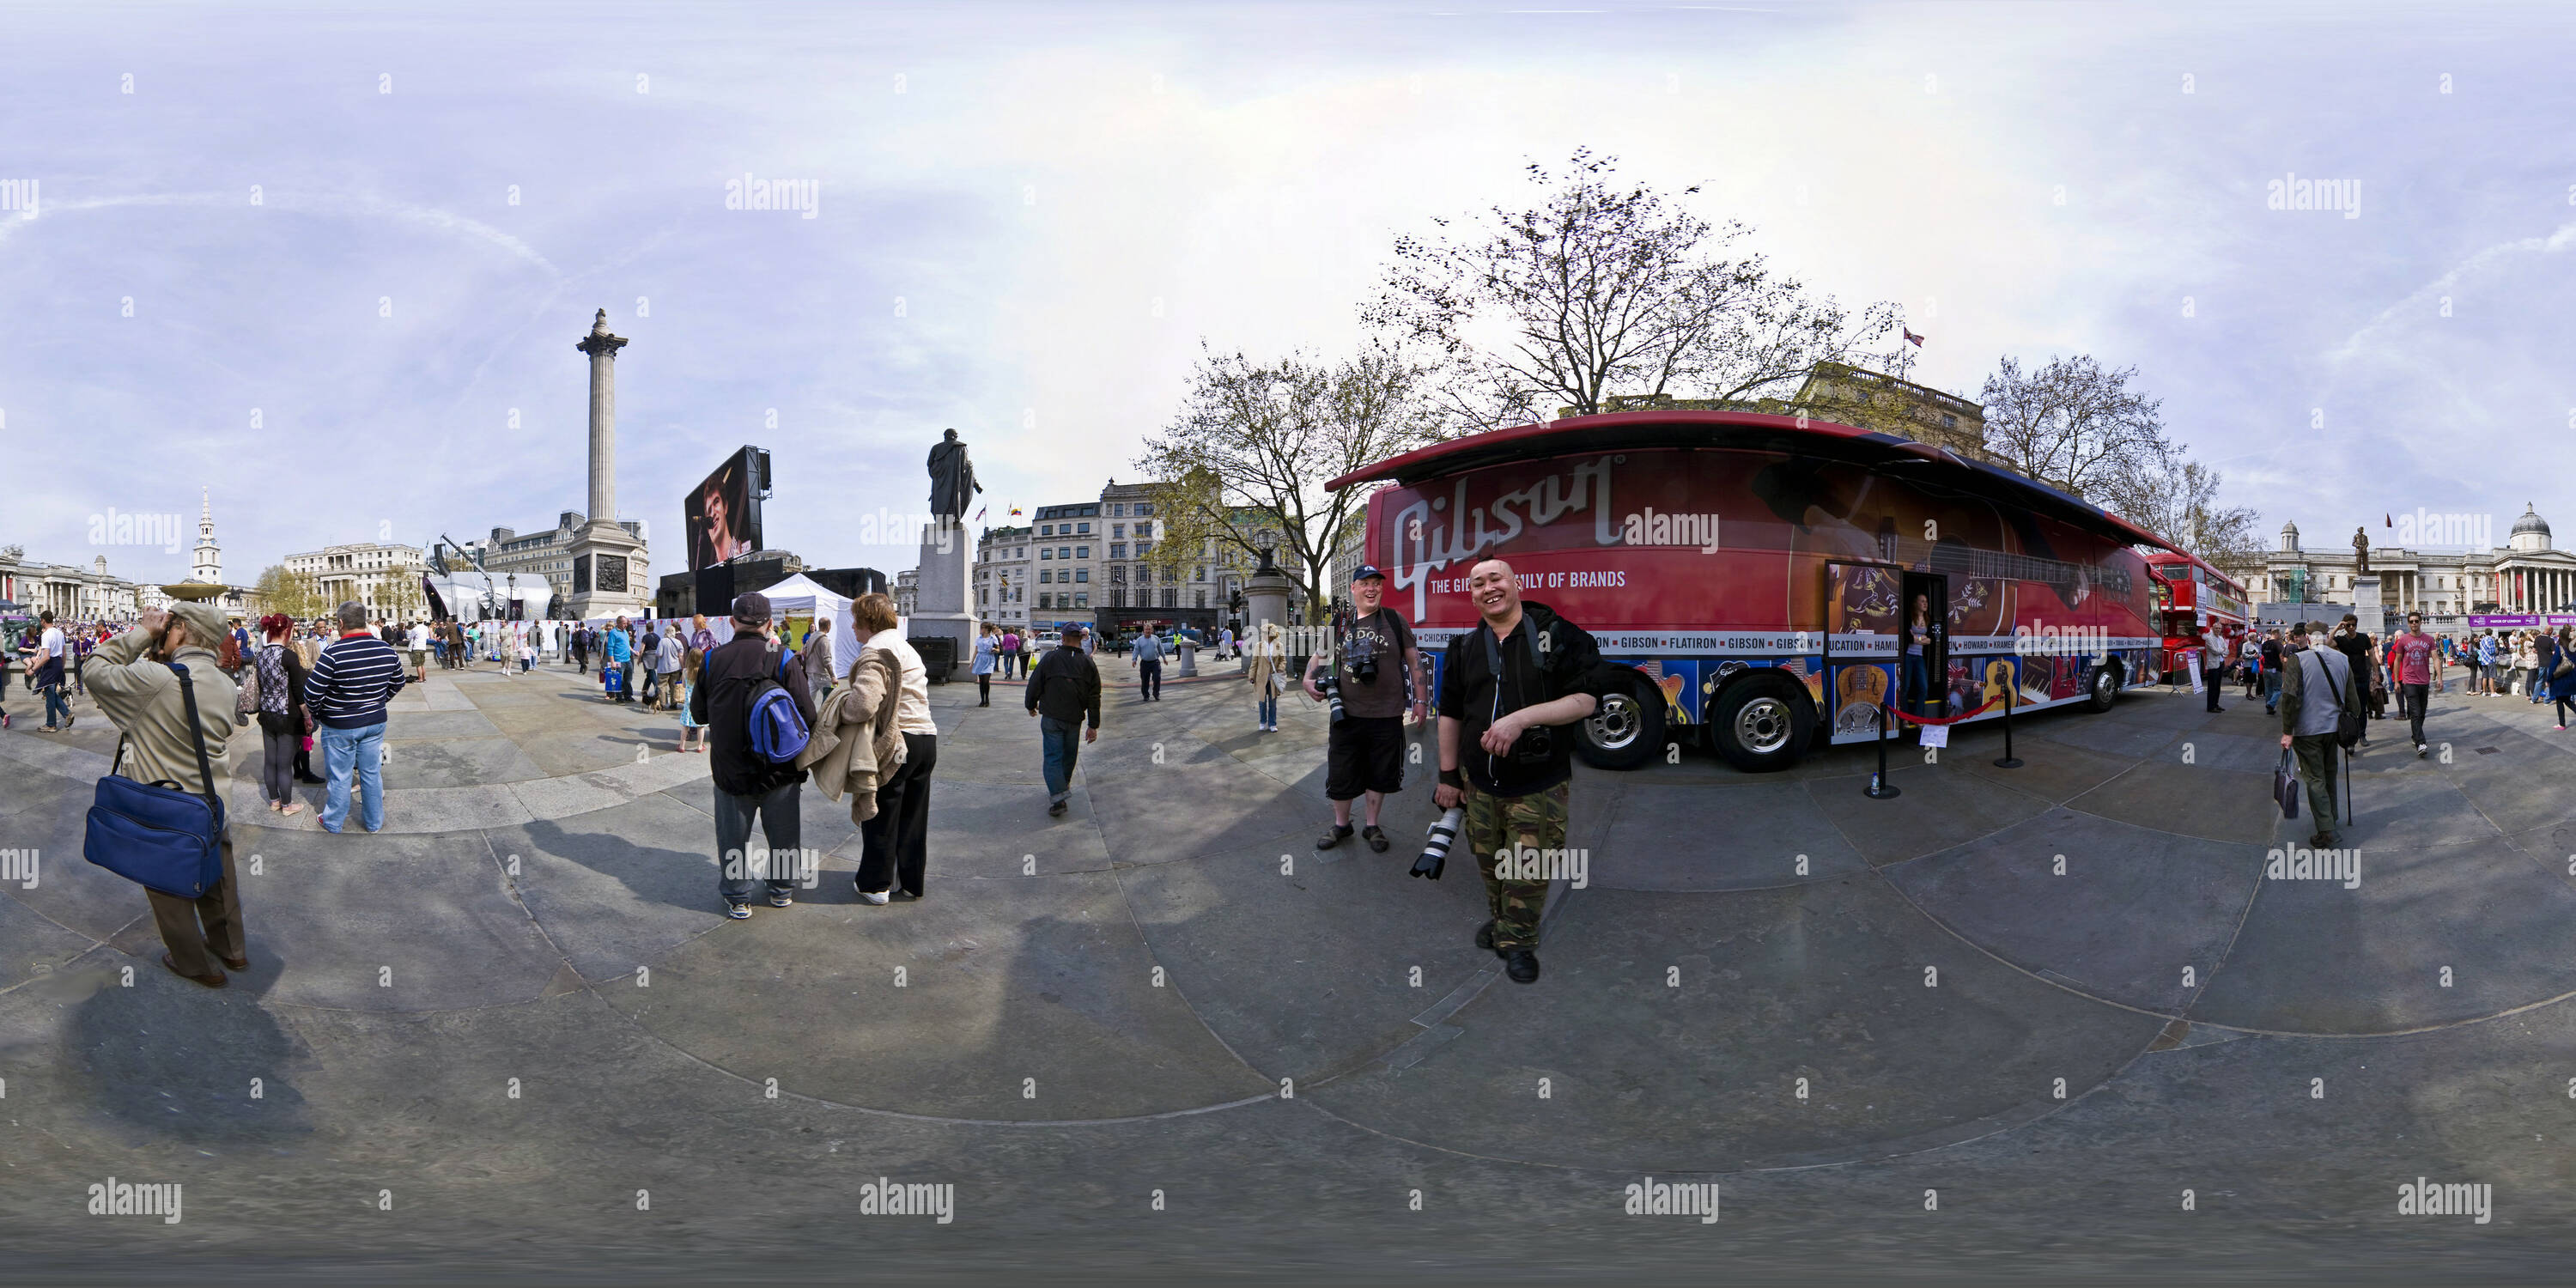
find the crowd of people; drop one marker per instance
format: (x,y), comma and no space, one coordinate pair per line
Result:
(2535,664)
(771,713)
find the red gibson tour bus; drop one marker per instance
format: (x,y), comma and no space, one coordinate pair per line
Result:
(1768,581)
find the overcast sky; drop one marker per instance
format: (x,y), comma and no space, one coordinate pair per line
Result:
(1029,217)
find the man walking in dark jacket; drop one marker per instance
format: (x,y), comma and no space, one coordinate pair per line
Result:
(1064,687)
(747,783)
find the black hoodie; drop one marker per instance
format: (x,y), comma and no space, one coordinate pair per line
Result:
(1546,659)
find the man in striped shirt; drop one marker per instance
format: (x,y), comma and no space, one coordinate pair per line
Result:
(347,692)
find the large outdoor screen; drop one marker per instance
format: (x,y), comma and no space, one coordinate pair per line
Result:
(723,512)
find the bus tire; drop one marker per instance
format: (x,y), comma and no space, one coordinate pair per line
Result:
(2102,688)
(1627,730)
(1761,723)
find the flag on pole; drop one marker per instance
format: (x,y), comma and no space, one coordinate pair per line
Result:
(979,513)
(1015,512)
(1910,337)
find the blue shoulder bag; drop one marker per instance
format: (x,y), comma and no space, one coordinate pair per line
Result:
(157,834)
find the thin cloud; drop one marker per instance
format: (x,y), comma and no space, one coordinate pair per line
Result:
(429,217)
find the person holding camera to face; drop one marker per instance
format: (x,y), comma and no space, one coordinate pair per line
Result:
(1374,681)
(1506,688)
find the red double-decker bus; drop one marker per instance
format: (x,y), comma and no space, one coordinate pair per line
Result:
(1754,575)
(2197,607)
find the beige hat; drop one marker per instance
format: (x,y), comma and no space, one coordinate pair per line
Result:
(205,622)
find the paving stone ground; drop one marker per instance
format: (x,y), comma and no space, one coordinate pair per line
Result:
(1999,1024)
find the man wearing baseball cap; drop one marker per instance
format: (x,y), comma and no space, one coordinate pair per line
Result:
(748,785)
(1376,671)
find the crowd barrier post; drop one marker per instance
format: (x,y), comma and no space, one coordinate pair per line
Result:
(1879,788)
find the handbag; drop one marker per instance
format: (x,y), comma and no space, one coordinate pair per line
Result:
(157,834)
(246,699)
(2285,786)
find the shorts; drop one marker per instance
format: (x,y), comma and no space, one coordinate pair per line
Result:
(419,657)
(1364,754)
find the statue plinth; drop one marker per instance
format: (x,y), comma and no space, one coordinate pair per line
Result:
(942,601)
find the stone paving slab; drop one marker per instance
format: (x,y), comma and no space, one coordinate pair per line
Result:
(2188,800)
(1660,838)
(2131,910)
(2316,957)
(1005,980)
(1330,981)
(1938,806)
(1815,981)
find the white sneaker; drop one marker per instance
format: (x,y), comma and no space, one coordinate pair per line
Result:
(878,897)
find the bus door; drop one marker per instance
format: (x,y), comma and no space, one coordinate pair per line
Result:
(1862,656)
(1924,687)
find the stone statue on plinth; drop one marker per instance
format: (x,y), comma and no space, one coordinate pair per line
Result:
(952,478)
(2361,551)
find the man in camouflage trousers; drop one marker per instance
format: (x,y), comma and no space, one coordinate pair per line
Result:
(1507,689)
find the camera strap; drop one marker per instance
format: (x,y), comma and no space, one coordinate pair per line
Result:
(1494,658)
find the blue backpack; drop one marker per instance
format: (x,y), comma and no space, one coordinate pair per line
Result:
(778,730)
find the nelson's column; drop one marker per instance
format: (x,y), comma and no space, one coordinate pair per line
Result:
(607,559)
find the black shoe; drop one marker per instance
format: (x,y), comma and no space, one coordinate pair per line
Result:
(905,896)
(1339,833)
(1056,809)
(2325,841)
(1376,839)
(1522,965)
(1485,936)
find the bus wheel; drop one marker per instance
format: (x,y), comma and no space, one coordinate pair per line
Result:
(2105,689)
(1627,730)
(1761,724)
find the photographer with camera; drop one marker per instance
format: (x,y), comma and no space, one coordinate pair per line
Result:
(1504,688)
(1373,678)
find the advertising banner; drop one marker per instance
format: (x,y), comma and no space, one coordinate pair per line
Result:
(723,513)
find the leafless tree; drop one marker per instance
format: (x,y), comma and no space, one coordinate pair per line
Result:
(2177,499)
(1605,290)
(2073,425)
(1254,443)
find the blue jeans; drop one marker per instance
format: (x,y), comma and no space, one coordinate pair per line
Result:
(2272,688)
(1063,743)
(1269,712)
(56,703)
(342,751)
(1917,697)
(1149,678)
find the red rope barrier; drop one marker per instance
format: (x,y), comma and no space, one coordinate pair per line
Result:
(1991,704)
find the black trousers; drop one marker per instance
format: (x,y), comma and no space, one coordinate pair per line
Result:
(2410,699)
(984,689)
(895,849)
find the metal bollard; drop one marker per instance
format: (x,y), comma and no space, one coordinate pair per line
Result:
(2009,761)
(1879,788)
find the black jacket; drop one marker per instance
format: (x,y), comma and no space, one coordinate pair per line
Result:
(1546,659)
(1065,686)
(722,703)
